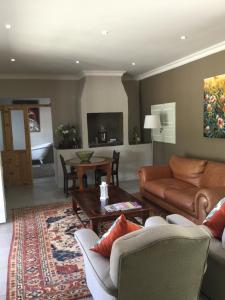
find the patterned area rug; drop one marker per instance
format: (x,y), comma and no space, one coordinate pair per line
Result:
(45,261)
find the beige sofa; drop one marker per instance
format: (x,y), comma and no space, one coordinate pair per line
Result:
(213,285)
(189,187)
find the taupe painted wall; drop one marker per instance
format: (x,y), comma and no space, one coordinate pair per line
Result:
(132,89)
(184,85)
(66,96)
(63,95)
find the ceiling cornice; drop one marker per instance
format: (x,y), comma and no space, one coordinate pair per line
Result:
(39,76)
(183,61)
(62,76)
(102,73)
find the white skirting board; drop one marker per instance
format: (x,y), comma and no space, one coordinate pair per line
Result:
(132,157)
(2,195)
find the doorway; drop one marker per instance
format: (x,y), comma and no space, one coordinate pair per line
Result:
(26,140)
(41,139)
(15,145)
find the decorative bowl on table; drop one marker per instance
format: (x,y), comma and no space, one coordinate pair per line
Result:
(84,156)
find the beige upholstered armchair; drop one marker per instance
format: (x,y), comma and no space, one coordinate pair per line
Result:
(159,262)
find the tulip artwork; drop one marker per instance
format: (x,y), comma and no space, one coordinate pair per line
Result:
(214,107)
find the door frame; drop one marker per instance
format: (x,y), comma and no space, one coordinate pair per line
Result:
(8,137)
(3,213)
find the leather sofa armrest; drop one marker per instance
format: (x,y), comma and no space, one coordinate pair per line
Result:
(148,173)
(207,198)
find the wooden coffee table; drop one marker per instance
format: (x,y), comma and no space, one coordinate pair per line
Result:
(89,202)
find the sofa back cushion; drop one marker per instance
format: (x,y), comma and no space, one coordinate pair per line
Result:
(187,169)
(214,175)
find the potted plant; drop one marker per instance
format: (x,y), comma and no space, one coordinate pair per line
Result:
(70,136)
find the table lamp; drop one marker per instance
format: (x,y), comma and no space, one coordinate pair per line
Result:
(152,122)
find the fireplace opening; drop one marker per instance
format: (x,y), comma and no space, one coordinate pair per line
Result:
(105,129)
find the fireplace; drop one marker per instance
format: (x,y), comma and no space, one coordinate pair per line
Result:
(105,129)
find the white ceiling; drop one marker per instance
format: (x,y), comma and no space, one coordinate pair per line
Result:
(48,36)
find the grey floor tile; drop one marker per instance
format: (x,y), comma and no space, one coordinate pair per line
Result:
(5,240)
(131,186)
(6,228)
(4,255)
(3,280)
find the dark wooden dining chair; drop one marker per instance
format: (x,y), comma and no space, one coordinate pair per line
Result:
(114,170)
(70,175)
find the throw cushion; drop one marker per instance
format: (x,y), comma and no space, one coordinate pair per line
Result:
(187,169)
(214,175)
(119,228)
(215,220)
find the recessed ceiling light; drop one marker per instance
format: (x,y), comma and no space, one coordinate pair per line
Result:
(7,26)
(183,37)
(77,61)
(133,63)
(104,32)
(12,59)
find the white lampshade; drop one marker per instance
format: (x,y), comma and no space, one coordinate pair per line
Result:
(152,121)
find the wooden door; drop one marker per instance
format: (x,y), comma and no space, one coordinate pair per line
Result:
(16,154)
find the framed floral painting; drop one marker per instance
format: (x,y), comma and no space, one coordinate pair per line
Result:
(34,119)
(214,107)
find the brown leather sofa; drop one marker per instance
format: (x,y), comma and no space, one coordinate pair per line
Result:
(189,187)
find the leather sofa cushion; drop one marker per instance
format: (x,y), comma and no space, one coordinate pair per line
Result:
(182,199)
(187,169)
(159,186)
(214,175)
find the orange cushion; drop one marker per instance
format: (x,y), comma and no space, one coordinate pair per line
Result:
(119,228)
(215,221)
(187,169)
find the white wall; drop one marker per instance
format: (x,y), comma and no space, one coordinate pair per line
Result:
(46,134)
(103,94)
(132,157)
(2,195)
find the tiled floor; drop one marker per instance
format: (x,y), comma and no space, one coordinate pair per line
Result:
(43,191)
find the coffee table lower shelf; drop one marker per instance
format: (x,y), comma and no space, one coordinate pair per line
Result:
(95,222)
(89,202)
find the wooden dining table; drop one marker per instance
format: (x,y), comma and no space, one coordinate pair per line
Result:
(95,162)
